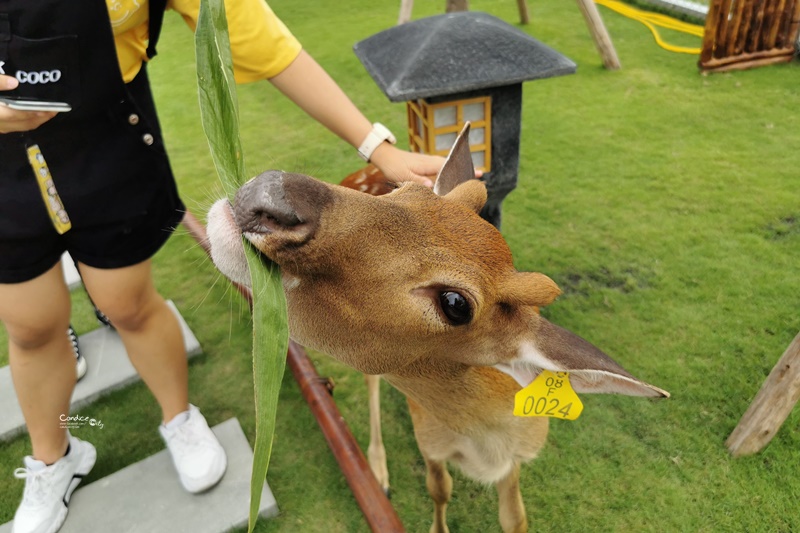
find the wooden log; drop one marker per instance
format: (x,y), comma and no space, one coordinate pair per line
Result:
(744,65)
(771,37)
(771,406)
(785,24)
(752,44)
(749,12)
(772,20)
(736,26)
(763,57)
(722,28)
(602,39)
(710,32)
(524,18)
(406,6)
(795,25)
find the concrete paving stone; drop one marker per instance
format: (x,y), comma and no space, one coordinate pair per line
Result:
(109,370)
(146,497)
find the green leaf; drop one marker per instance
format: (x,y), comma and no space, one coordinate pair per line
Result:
(219,111)
(216,87)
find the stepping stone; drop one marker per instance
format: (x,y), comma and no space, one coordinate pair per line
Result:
(71,275)
(147,496)
(109,369)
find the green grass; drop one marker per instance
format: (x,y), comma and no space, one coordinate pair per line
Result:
(664,202)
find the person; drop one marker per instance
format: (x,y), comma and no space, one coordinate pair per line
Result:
(96,181)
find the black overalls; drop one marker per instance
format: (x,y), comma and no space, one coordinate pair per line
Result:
(106,156)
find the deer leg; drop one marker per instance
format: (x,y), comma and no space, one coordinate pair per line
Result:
(376,453)
(440,486)
(512,511)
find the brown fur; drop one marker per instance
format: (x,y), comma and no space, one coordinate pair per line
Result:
(363,277)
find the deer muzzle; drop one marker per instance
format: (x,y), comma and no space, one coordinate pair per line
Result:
(278,209)
(261,204)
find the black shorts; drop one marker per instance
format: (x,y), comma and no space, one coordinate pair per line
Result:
(113,178)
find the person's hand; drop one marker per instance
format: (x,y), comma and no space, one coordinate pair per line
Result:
(399,165)
(13,120)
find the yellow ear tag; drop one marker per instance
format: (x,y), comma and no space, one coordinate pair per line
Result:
(550,394)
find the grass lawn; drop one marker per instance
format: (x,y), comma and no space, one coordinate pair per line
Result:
(665,204)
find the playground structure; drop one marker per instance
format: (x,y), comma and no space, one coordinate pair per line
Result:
(600,35)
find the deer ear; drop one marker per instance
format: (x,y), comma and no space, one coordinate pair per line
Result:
(457,167)
(530,288)
(591,370)
(471,194)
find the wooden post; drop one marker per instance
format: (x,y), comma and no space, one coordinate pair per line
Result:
(457,5)
(771,406)
(600,35)
(524,18)
(406,6)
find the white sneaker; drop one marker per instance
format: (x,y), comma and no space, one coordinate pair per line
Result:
(196,453)
(80,361)
(48,489)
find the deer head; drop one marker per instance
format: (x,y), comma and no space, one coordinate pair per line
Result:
(380,282)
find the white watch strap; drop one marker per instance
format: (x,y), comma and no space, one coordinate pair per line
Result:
(374,139)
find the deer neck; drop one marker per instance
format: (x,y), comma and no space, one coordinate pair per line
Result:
(465,398)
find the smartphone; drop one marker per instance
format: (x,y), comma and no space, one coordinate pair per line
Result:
(30,104)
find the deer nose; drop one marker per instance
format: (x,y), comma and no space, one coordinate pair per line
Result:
(261,205)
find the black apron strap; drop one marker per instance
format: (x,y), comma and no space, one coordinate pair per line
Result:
(157,8)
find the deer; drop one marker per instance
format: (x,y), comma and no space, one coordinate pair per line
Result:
(414,287)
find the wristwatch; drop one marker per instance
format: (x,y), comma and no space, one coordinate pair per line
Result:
(374,139)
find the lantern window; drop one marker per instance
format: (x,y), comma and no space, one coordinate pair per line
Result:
(433,128)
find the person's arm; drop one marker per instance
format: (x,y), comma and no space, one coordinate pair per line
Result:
(12,120)
(306,83)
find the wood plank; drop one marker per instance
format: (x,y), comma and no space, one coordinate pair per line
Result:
(771,406)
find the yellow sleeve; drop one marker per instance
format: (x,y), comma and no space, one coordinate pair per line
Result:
(261,45)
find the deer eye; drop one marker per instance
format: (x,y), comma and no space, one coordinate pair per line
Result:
(455,307)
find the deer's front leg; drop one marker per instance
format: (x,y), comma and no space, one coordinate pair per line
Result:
(376,453)
(440,486)
(512,511)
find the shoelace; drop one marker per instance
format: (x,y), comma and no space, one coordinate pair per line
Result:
(189,438)
(34,485)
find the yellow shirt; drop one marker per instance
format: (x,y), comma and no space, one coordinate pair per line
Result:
(261,45)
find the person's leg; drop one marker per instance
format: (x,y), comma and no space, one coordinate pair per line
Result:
(36,316)
(148,328)
(154,342)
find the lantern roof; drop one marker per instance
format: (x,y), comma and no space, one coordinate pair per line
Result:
(455,53)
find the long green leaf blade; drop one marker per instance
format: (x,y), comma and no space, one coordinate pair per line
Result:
(219,111)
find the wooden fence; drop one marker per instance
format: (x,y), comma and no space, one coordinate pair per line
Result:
(741,34)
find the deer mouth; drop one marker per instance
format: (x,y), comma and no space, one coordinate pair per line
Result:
(277,212)
(225,242)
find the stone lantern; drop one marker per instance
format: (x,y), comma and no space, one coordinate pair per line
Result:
(459,67)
